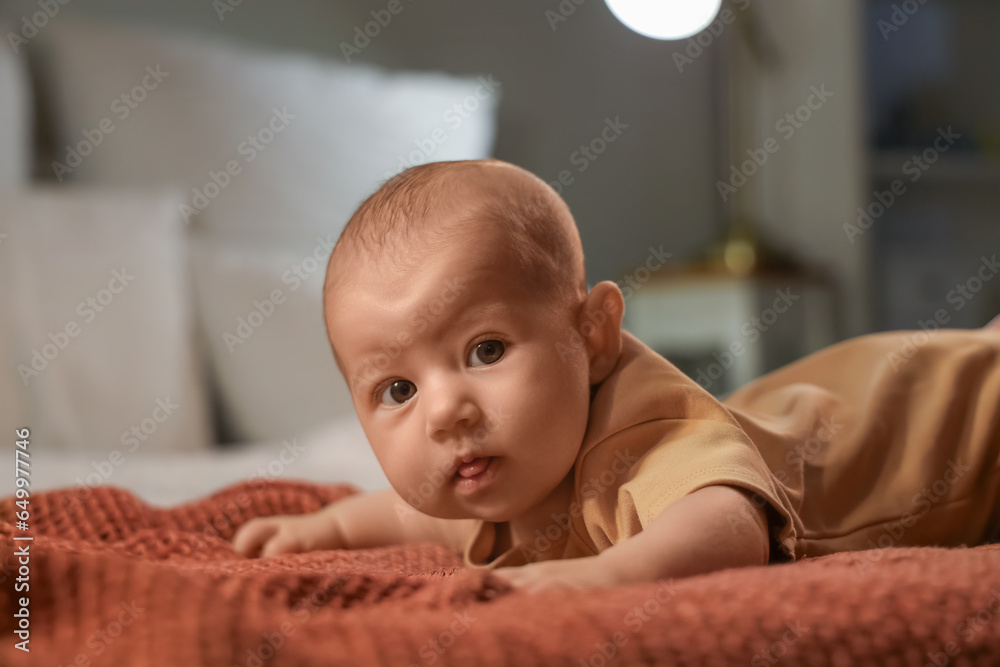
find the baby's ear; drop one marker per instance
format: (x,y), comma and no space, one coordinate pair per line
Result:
(600,324)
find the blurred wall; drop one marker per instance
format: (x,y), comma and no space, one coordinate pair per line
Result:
(814,183)
(561,80)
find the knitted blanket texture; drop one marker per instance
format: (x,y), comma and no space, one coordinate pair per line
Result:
(115,581)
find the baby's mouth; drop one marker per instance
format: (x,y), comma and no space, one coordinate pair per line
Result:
(473,467)
(476,475)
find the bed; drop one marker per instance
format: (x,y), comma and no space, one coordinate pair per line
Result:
(116,581)
(133,501)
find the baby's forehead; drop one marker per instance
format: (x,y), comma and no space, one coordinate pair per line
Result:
(492,221)
(475,239)
(432,309)
(469,261)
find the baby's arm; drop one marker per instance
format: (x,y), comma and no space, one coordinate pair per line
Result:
(357,522)
(712,528)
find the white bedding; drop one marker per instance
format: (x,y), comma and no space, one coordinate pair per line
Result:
(336,453)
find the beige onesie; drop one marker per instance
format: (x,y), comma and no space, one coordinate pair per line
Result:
(891,439)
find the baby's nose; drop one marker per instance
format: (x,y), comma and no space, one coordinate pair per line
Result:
(450,409)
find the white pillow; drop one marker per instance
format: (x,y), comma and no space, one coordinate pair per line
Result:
(336,131)
(353,127)
(15,127)
(336,453)
(96,331)
(261,311)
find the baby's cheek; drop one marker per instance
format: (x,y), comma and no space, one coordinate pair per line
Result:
(567,411)
(553,411)
(393,458)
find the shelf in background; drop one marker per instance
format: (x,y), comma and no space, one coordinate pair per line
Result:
(954,169)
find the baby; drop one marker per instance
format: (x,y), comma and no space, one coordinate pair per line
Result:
(521,426)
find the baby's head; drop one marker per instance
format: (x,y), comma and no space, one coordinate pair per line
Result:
(457,308)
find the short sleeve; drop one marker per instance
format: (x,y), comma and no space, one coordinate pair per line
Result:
(480,546)
(668,459)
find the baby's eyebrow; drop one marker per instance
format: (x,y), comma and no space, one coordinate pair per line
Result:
(379,355)
(437,315)
(358,383)
(473,311)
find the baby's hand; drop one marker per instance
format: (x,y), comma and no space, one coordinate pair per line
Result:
(573,574)
(287,534)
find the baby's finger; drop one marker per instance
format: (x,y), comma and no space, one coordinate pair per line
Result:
(252,536)
(281,543)
(514,576)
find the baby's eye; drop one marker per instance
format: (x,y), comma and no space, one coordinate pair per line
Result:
(398,392)
(486,353)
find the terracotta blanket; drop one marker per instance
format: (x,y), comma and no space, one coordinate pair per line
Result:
(114,581)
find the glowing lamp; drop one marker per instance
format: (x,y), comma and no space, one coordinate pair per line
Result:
(665,19)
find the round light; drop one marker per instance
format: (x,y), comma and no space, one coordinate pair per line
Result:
(665,19)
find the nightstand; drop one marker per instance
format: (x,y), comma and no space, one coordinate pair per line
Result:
(725,331)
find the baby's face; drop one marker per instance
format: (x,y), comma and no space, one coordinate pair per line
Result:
(455,373)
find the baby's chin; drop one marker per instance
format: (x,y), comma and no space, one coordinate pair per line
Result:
(495,511)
